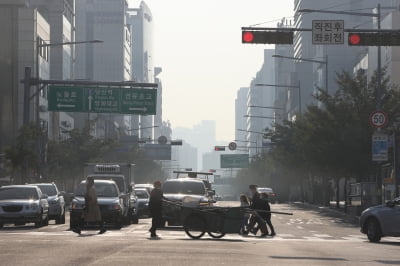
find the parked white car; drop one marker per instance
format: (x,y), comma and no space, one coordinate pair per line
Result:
(382,220)
(21,204)
(56,202)
(269,192)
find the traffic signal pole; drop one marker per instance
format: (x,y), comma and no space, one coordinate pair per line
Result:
(379,104)
(379,67)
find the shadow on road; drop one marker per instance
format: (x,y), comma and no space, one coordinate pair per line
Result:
(340,217)
(388,243)
(307,258)
(390,262)
(213,239)
(19,228)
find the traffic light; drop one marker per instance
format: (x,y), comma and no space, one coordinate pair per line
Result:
(374,39)
(219,148)
(271,37)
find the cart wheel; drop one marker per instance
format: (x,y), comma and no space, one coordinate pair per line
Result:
(195,226)
(216,234)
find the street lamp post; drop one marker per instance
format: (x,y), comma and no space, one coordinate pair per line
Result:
(255,132)
(285,86)
(269,107)
(312,61)
(248,141)
(28,81)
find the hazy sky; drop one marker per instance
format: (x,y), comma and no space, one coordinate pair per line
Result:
(198,45)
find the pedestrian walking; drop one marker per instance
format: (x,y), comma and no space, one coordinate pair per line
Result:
(259,217)
(244,202)
(155,208)
(268,214)
(91,213)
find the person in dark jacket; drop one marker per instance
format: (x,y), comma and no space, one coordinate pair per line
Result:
(259,217)
(155,208)
(268,214)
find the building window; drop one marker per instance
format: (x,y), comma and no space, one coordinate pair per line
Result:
(43,50)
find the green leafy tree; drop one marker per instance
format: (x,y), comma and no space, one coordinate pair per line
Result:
(23,155)
(332,141)
(67,158)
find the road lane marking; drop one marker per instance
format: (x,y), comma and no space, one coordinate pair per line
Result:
(322,235)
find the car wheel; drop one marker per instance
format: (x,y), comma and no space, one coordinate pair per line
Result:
(127,220)
(135,219)
(61,218)
(118,224)
(373,230)
(46,221)
(38,224)
(1,226)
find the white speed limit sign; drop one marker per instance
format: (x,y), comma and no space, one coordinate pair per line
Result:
(378,119)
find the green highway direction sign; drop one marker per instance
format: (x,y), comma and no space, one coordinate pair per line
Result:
(102,100)
(66,99)
(234,160)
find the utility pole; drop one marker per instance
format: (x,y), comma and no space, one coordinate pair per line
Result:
(27,95)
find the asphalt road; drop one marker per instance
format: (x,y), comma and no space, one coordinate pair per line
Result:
(310,237)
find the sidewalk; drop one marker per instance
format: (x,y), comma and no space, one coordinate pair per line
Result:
(329,211)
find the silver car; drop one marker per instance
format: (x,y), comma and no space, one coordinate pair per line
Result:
(382,220)
(56,202)
(143,198)
(20,204)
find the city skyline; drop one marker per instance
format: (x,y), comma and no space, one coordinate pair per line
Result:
(204,62)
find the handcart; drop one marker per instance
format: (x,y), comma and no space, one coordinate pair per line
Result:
(216,221)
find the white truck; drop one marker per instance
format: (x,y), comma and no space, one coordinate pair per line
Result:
(123,175)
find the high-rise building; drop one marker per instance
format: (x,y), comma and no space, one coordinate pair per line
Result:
(109,61)
(141,21)
(260,117)
(158,122)
(240,111)
(202,136)
(337,58)
(23,28)
(60,14)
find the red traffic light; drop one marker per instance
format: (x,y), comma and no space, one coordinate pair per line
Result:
(219,148)
(354,38)
(247,36)
(267,37)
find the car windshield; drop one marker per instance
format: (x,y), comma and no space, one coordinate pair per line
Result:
(102,190)
(141,194)
(179,187)
(119,180)
(49,190)
(18,193)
